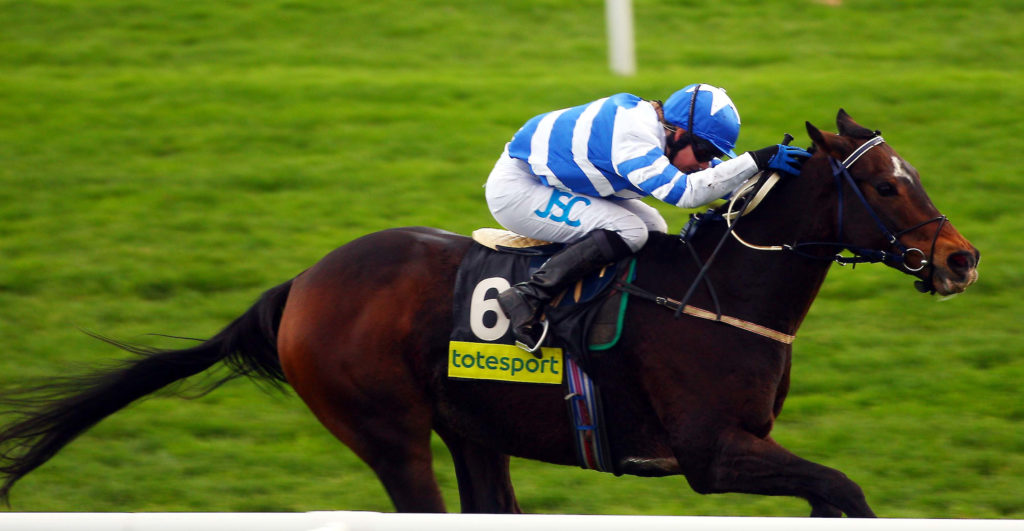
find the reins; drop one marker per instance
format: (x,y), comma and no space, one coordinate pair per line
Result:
(701,313)
(841,172)
(757,188)
(756,185)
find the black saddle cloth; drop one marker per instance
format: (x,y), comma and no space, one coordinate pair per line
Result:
(586,316)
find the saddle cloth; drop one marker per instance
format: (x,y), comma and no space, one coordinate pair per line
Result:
(586,317)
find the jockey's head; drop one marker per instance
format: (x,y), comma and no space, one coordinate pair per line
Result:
(709,117)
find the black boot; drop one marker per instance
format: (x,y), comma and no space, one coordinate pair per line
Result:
(523,302)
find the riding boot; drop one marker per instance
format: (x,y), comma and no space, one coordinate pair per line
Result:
(523,302)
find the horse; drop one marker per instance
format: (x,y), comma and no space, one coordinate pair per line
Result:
(362,337)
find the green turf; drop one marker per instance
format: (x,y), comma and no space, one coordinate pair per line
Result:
(162,163)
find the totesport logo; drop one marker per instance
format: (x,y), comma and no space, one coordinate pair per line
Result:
(490,361)
(494,361)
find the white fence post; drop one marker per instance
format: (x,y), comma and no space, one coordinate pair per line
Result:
(621,52)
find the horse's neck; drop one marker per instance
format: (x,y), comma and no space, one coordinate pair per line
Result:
(780,285)
(771,288)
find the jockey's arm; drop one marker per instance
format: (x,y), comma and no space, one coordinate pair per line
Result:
(638,154)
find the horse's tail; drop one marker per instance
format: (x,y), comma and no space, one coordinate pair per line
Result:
(48,417)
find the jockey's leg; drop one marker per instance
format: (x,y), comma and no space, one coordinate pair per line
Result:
(599,231)
(524,301)
(649,215)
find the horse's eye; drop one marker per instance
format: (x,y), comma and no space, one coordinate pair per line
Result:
(885,189)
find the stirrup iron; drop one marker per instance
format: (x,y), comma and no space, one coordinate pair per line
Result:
(543,336)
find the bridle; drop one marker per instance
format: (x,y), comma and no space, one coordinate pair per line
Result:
(759,186)
(897,258)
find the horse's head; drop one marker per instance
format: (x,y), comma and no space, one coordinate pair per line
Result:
(890,211)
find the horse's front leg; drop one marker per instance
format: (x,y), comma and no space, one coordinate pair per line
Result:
(754,465)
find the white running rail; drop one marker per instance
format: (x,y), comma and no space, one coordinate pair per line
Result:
(366,521)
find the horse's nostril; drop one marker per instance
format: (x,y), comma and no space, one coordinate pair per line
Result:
(960,262)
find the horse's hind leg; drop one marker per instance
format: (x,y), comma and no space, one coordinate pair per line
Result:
(370,403)
(753,465)
(485,485)
(392,438)
(360,336)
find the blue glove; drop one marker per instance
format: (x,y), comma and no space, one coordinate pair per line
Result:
(787,159)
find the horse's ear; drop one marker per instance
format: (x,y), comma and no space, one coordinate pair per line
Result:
(827,142)
(848,127)
(816,136)
(843,117)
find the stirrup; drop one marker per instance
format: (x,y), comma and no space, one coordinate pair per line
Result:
(543,336)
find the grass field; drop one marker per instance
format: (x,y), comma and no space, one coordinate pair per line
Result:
(162,163)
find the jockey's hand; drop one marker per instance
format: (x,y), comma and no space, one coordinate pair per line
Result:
(787,159)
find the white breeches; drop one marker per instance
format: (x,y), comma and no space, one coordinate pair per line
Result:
(523,204)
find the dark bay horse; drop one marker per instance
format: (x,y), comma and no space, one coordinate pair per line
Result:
(362,337)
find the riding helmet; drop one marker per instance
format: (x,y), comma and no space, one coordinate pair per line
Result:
(706,111)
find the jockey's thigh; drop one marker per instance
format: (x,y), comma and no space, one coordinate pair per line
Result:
(523,204)
(650,215)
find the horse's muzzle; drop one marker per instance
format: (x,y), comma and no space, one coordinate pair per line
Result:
(956,272)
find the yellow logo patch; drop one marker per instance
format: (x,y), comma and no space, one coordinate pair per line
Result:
(490,361)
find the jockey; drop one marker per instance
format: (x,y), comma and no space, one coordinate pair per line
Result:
(576,176)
